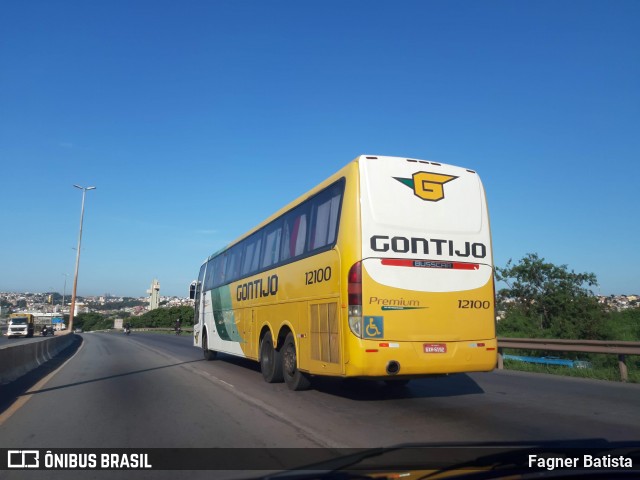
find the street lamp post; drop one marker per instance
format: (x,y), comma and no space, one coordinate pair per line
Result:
(75,278)
(64,290)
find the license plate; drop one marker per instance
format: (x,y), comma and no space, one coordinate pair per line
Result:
(435,348)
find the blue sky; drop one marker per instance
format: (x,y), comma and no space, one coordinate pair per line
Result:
(197,119)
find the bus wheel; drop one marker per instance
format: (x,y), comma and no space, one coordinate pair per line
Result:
(270,360)
(294,378)
(208,354)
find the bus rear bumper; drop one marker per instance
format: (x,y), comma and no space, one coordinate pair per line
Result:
(388,359)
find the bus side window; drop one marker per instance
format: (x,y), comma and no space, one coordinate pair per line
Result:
(233,264)
(251,256)
(299,236)
(255,263)
(208,279)
(324,225)
(218,270)
(271,251)
(294,236)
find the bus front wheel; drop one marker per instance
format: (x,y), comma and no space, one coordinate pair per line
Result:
(294,378)
(208,354)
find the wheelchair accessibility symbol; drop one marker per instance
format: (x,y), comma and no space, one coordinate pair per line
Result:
(373,327)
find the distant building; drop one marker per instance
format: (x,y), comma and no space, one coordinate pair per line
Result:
(154,295)
(81,307)
(619,302)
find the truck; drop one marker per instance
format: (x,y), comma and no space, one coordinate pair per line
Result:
(20,325)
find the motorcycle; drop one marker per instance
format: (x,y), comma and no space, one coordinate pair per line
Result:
(44,332)
(178,330)
(127,331)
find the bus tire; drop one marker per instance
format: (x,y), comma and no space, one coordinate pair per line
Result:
(270,360)
(208,354)
(294,378)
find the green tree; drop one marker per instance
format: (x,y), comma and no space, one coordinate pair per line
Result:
(624,325)
(164,317)
(92,321)
(547,300)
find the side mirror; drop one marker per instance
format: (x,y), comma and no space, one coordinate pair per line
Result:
(192,290)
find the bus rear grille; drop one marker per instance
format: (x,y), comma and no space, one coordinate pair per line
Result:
(325,345)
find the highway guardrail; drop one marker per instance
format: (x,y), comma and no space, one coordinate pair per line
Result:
(611,347)
(20,358)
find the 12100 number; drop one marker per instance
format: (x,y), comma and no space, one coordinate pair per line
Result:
(317,276)
(477,304)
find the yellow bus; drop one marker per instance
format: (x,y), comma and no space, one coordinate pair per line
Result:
(383,271)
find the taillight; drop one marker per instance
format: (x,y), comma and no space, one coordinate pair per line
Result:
(355,299)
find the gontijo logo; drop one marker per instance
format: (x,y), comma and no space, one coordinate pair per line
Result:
(426,185)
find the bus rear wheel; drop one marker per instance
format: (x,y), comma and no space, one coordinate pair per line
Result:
(270,360)
(294,378)
(208,354)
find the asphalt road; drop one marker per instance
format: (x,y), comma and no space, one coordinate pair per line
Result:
(147,390)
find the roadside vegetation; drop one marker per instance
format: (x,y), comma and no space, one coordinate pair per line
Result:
(601,369)
(543,300)
(158,318)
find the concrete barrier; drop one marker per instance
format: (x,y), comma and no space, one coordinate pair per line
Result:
(18,360)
